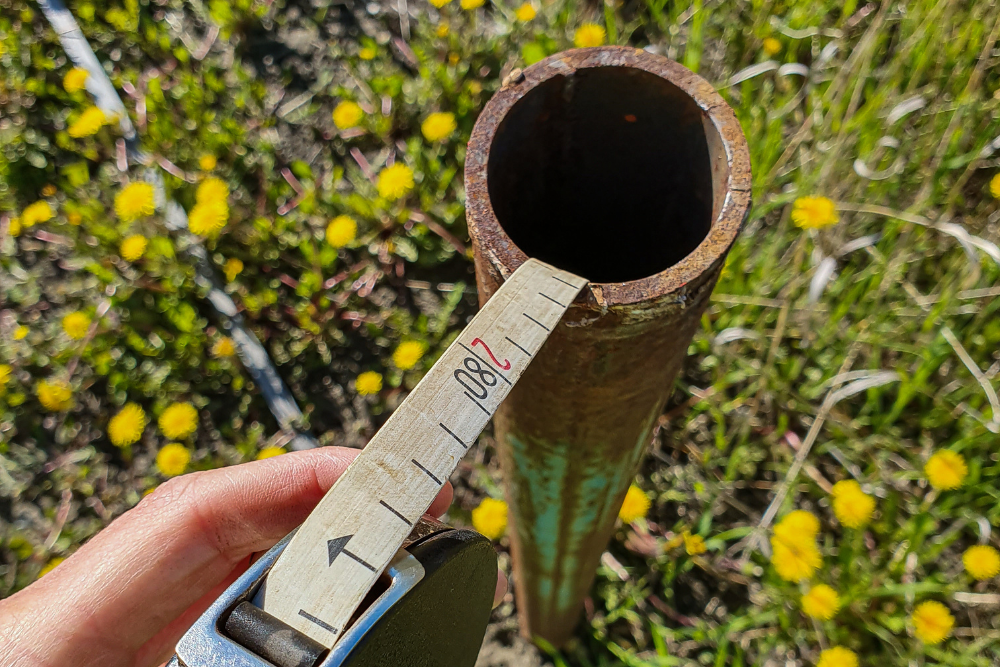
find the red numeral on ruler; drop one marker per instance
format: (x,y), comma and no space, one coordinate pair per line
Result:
(506,363)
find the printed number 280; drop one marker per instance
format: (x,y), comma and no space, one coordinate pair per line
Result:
(474,377)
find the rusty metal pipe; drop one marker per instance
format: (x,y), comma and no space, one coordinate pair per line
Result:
(628,169)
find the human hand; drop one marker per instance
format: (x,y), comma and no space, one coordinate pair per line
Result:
(127,596)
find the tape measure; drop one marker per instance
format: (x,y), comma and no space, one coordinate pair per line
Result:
(314,582)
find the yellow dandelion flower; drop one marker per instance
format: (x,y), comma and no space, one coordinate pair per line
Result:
(795,560)
(207,162)
(341,231)
(40,211)
(133,248)
(75,80)
(821,602)
(127,426)
(21,332)
(395,181)
(838,656)
(76,325)
(179,421)
(442,29)
(232,268)
(635,506)
(5,371)
(408,354)
(135,201)
(208,218)
(772,47)
(14,226)
(946,470)
(51,565)
(368,383)
(212,189)
(852,506)
(173,459)
(673,542)
(472,4)
(693,544)
(589,34)
(90,121)
(269,452)
(797,524)
(367,53)
(814,212)
(932,622)
(55,396)
(347,114)
(490,518)
(440,3)
(74,218)
(995,186)
(525,12)
(223,347)
(438,126)
(981,562)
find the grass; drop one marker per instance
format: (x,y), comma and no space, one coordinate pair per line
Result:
(773,374)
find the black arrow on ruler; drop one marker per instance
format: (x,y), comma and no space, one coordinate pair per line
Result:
(336,546)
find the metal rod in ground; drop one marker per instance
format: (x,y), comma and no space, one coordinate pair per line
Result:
(253,355)
(627,169)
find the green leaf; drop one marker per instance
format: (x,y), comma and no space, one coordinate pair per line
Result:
(532,52)
(77,174)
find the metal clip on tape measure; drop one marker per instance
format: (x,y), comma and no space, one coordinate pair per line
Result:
(367,580)
(411,616)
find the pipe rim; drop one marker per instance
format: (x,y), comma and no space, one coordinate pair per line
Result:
(505,256)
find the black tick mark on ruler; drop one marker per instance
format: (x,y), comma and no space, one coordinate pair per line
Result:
(449,432)
(536,321)
(429,473)
(393,510)
(564,283)
(508,339)
(551,299)
(321,623)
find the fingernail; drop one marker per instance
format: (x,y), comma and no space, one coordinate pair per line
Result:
(501,590)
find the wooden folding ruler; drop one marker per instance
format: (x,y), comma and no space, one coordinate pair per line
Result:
(320,578)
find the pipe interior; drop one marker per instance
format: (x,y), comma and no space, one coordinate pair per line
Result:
(605,173)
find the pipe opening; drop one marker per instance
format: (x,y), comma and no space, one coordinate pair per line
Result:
(605,173)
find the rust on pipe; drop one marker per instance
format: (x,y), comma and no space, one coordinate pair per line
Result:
(628,169)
